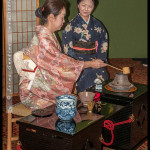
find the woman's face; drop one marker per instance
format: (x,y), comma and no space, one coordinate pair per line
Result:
(85,7)
(59,20)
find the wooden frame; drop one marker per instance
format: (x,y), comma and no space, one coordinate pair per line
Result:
(4,48)
(5,40)
(10,118)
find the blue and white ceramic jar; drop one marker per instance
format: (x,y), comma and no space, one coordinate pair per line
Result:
(66,106)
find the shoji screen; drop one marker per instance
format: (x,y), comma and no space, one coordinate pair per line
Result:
(19,23)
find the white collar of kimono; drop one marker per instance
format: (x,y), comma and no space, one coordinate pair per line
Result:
(85,20)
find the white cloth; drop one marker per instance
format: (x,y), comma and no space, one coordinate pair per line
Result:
(27,64)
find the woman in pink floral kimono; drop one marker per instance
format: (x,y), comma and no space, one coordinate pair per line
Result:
(44,70)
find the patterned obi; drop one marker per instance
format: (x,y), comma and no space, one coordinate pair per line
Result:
(81,47)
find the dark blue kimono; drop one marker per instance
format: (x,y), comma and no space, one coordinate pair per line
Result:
(79,30)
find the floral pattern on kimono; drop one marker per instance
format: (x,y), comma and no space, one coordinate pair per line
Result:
(56,72)
(93,31)
(31,100)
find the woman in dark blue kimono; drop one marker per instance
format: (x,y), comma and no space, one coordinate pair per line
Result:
(85,38)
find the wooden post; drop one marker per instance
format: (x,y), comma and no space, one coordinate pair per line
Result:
(4,48)
(9,130)
(37,19)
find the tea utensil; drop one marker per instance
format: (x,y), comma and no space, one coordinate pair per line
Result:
(125,70)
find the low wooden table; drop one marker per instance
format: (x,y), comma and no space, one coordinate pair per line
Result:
(50,133)
(127,135)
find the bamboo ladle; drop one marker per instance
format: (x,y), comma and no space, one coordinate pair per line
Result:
(125,70)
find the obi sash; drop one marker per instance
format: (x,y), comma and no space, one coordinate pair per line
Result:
(81,47)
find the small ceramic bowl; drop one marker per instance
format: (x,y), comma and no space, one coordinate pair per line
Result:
(66,107)
(86,97)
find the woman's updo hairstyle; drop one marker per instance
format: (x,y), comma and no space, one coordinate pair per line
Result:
(50,7)
(94,1)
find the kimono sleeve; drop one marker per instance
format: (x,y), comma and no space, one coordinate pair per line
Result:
(56,63)
(103,43)
(68,40)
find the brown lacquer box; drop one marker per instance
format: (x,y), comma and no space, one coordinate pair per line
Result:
(50,133)
(127,135)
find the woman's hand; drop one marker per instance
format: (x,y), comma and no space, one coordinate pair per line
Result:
(96,63)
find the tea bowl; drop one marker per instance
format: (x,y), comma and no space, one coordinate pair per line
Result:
(66,107)
(86,97)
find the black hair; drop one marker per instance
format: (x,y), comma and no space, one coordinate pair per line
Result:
(50,7)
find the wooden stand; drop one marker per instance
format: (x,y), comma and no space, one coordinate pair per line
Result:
(36,137)
(128,135)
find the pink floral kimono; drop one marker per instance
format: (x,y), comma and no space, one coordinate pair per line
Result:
(55,73)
